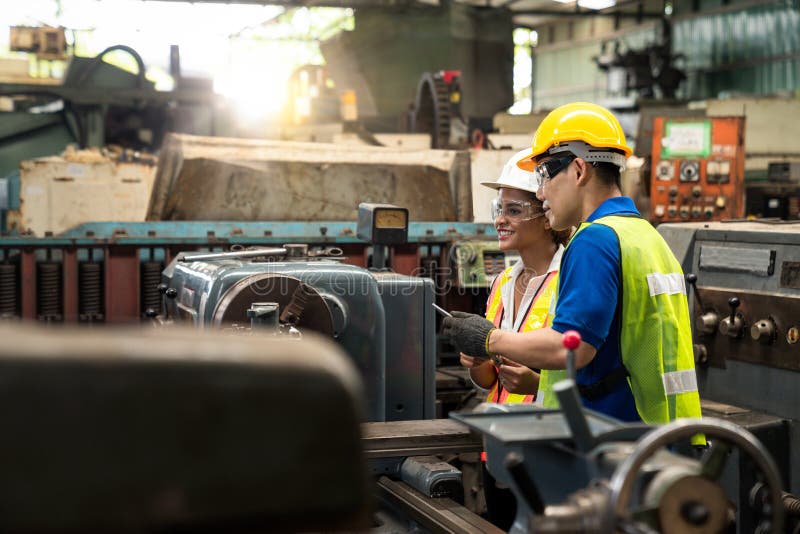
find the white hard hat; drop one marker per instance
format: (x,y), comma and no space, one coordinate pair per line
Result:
(515,178)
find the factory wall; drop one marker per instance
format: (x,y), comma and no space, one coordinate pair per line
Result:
(391,50)
(743,47)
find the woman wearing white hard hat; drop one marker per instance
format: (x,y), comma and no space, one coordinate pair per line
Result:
(519,301)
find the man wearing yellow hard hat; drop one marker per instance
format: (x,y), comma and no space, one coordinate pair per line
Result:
(620,285)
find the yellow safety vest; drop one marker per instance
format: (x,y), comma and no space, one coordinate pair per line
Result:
(655,332)
(539,316)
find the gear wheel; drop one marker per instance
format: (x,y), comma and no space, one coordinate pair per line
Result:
(432,113)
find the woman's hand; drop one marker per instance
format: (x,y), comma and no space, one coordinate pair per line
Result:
(470,362)
(481,370)
(517,378)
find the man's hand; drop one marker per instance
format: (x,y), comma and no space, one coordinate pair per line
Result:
(517,378)
(468,333)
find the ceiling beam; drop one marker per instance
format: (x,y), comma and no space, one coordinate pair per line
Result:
(311,3)
(561,13)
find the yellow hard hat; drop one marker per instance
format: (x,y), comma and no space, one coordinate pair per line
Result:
(578,121)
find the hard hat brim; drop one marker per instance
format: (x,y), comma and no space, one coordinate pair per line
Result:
(527,163)
(497,185)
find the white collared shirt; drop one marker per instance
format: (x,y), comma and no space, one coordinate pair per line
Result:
(507,292)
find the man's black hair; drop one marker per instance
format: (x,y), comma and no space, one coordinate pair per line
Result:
(608,173)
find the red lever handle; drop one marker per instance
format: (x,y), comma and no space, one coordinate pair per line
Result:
(571,339)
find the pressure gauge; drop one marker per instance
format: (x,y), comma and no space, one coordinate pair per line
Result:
(391,218)
(382,224)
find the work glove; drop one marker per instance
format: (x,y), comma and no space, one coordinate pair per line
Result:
(468,333)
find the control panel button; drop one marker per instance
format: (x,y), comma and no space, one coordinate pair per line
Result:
(707,323)
(665,170)
(793,335)
(690,171)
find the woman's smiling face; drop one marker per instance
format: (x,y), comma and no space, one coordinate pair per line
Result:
(520,223)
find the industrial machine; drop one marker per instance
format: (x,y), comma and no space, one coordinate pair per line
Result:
(745,306)
(697,169)
(384,321)
(98,104)
(578,471)
(650,72)
(778,196)
(478,262)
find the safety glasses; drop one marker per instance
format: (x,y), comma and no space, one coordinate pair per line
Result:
(549,169)
(515,210)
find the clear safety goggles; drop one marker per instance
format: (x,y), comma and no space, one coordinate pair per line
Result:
(549,169)
(516,210)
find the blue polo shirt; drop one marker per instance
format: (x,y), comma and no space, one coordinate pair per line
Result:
(589,301)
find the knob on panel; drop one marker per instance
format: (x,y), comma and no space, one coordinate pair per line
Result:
(763,330)
(707,323)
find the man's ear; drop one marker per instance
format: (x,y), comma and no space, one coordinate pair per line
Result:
(583,173)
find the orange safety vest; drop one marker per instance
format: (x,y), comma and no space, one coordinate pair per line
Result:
(538,317)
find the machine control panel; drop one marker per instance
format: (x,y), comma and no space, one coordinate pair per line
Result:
(746,296)
(698,169)
(477,263)
(761,329)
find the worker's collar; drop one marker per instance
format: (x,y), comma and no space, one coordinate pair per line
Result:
(614,206)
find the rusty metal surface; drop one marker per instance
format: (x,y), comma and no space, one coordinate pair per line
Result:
(71,291)
(160,430)
(239,180)
(416,438)
(27,278)
(122,270)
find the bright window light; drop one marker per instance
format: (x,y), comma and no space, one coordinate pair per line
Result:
(596,4)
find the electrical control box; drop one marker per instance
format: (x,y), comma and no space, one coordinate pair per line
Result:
(697,172)
(477,263)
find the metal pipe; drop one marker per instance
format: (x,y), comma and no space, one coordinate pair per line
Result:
(239,254)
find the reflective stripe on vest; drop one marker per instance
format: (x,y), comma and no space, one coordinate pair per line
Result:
(655,332)
(538,317)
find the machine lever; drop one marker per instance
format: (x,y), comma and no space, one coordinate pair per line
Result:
(571,341)
(733,326)
(691,279)
(733,302)
(569,400)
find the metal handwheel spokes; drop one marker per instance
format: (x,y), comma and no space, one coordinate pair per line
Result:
(688,498)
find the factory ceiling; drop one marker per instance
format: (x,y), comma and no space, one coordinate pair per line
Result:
(529,13)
